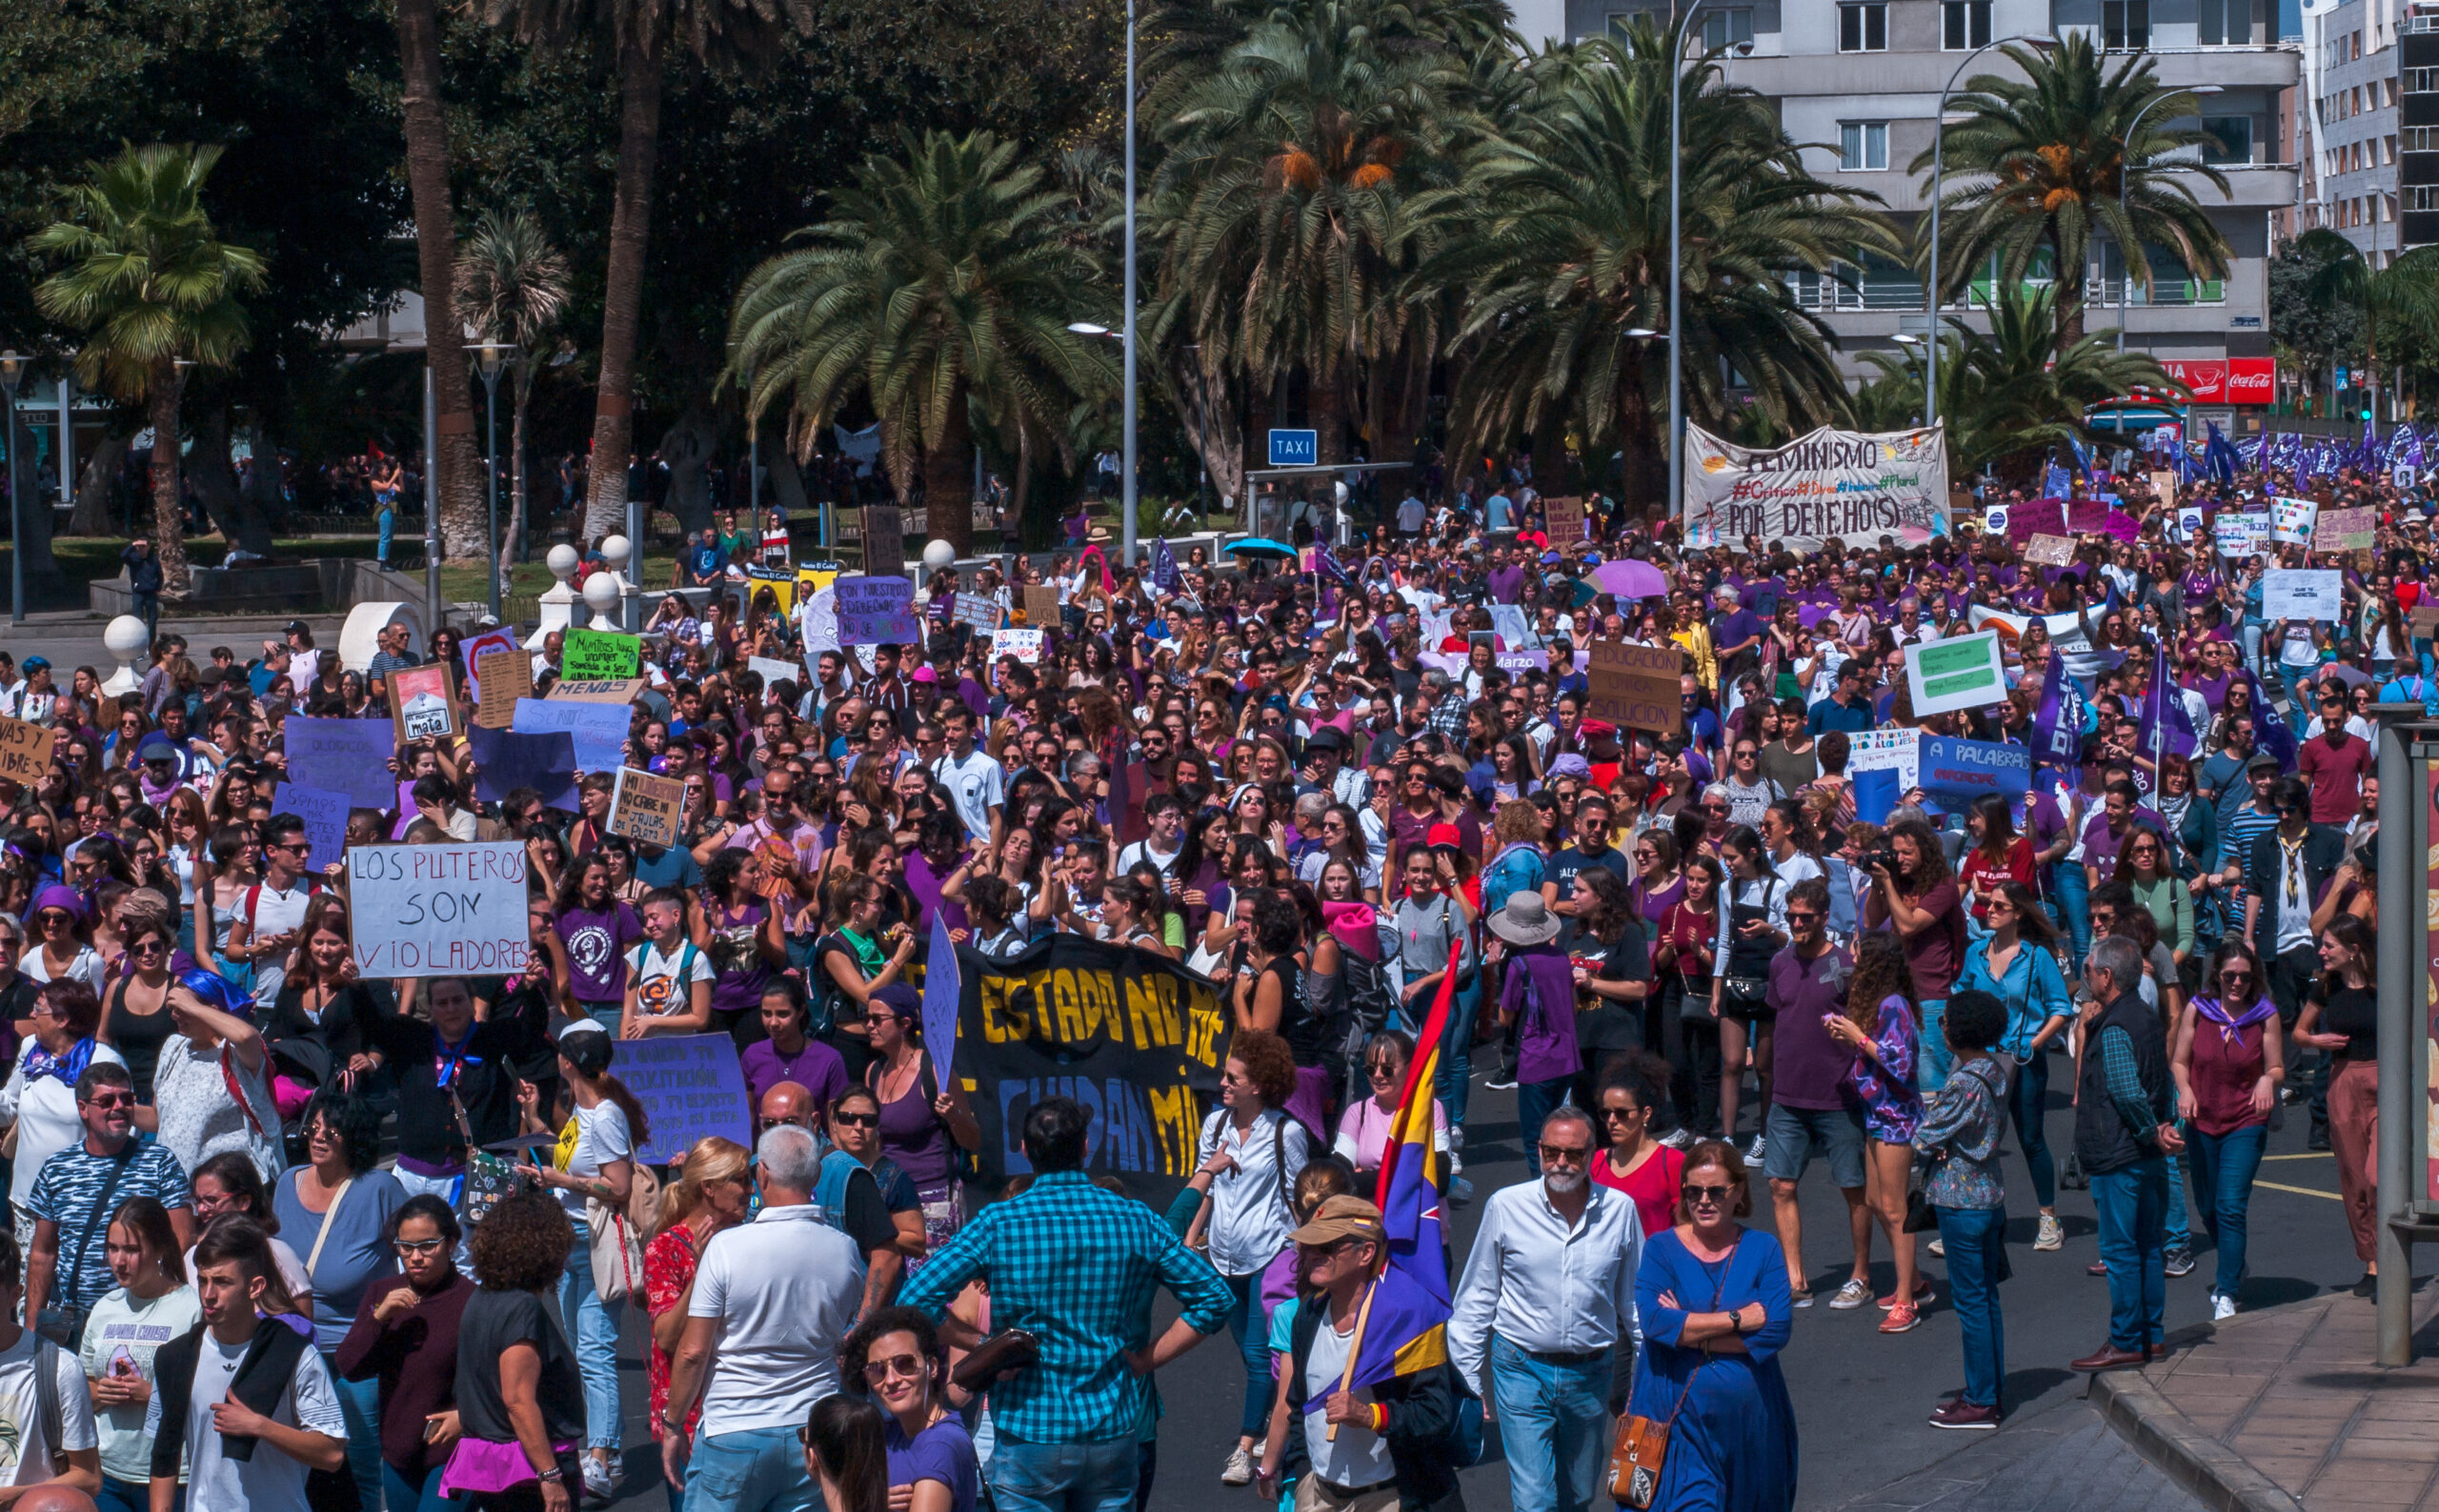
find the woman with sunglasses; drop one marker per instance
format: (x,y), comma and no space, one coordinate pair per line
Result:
(2144,863)
(1713,1301)
(713,1190)
(933,1468)
(919,1118)
(2229,1059)
(405,1338)
(2017,962)
(853,1121)
(1630,1099)
(1364,1128)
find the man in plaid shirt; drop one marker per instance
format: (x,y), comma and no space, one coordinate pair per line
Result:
(1076,1266)
(1447,716)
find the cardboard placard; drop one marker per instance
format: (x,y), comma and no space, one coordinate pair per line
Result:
(647,808)
(1041,605)
(24,753)
(1636,686)
(981,611)
(2422,621)
(2356,530)
(876,612)
(1963,671)
(2163,484)
(439,910)
(502,677)
(1565,520)
(2049,551)
(604,690)
(596,654)
(884,541)
(419,703)
(471,653)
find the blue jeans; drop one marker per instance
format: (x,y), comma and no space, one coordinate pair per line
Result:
(2070,899)
(1552,1422)
(751,1470)
(1252,1334)
(2252,632)
(1534,1101)
(1934,1060)
(361,1406)
(2176,1233)
(2130,1200)
(128,1496)
(2224,1165)
(2027,1100)
(398,1494)
(1456,1050)
(593,1327)
(389,519)
(1975,1238)
(1065,1477)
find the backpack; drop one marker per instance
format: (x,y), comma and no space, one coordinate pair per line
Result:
(1277,1148)
(253,896)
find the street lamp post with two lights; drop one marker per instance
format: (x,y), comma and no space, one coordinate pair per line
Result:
(489,358)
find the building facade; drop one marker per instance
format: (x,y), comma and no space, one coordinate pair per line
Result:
(2351,110)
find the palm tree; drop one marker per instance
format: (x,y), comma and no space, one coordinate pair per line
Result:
(2047,158)
(939,288)
(154,291)
(2402,294)
(742,35)
(1560,236)
(462,521)
(512,286)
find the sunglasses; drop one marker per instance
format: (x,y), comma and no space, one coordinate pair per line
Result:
(1802,915)
(857,1120)
(911,1366)
(111,1100)
(1572,1154)
(417,1246)
(1708,1196)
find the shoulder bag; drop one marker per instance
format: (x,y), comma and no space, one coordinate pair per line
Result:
(62,1325)
(1641,1445)
(489,1181)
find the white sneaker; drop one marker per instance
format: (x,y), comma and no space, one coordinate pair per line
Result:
(1939,1248)
(1240,1469)
(2222,1308)
(599,1485)
(1754,1152)
(1852,1295)
(2050,1235)
(1678,1139)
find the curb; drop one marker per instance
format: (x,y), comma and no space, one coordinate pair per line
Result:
(2216,1475)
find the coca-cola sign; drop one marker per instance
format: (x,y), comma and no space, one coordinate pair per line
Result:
(2207,379)
(2252,380)
(2225,380)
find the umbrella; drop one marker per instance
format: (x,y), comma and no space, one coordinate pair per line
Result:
(1628,578)
(1257,546)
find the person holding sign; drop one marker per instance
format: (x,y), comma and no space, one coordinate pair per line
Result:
(668,978)
(918,1116)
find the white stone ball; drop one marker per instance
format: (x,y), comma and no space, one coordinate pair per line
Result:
(563,561)
(125,637)
(938,554)
(614,551)
(1341,487)
(601,593)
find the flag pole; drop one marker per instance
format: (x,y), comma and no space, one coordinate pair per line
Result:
(1354,1345)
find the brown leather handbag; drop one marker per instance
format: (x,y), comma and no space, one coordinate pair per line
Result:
(1641,1446)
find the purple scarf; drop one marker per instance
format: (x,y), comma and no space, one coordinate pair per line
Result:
(2232,1026)
(41,1063)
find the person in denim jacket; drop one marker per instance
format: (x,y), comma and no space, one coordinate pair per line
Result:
(1959,1135)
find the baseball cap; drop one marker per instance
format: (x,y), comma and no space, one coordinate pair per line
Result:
(926,674)
(1448,835)
(1325,738)
(1597,727)
(297,627)
(1342,1217)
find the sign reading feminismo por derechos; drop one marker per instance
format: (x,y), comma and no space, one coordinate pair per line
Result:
(1847,484)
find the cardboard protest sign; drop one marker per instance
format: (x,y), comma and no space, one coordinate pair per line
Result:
(1957,767)
(439,910)
(1565,521)
(604,690)
(1964,672)
(647,808)
(2355,530)
(2051,550)
(324,815)
(1636,686)
(1041,605)
(884,541)
(593,654)
(510,678)
(692,1088)
(344,755)
(598,730)
(25,752)
(2422,621)
(471,653)
(876,612)
(419,703)
(2298,593)
(980,610)
(2163,484)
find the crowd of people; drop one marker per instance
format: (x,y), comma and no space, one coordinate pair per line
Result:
(287,1236)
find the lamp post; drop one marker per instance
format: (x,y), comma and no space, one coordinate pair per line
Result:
(489,358)
(1676,265)
(1126,477)
(1905,340)
(12,372)
(2125,269)
(1939,172)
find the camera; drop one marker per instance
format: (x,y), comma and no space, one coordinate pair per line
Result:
(1885,858)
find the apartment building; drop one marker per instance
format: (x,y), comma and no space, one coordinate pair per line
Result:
(2350,111)
(1860,80)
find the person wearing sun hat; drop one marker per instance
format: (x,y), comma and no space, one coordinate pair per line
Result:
(1537,997)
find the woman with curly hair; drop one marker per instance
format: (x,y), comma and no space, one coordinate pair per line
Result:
(1883,1024)
(746,945)
(520,1395)
(897,1354)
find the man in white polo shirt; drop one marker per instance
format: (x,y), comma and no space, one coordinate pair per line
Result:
(773,1300)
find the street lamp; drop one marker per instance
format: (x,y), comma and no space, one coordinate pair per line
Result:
(489,358)
(1676,262)
(1903,339)
(1126,485)
(1938,171)
(12,372)
(2125,267)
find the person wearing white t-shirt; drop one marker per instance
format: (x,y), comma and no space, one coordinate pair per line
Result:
(52,1418)
(669,978)
(271,911)
(977,783)
(1165,817)
(772,1303)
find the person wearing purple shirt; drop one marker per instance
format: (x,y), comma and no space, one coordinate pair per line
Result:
(1537,997)
(791,1053)
(598,930)
(1507,580)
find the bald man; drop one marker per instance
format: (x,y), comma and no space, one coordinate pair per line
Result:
(789,1102)
(53,1497)
(862,1216)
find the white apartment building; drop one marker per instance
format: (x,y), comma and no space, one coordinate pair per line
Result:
(2368,174)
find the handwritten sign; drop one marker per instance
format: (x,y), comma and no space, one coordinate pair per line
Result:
(884,542)
(1565,521)
(599,729)
(1041,605)
(1636,686)
(692,1088)
(2422,621)
(772,670)
(1025,645)
(819,616)
(2290,520)
(647,808)
(1963,671)
(324,815)
(2355,530)
(876,612)
(344,755)
(599,654)
(981,611)
(25,752)
(598,690)
(419,703)
(1898,751)
(2317,594)
(439,910)
(2049,551)
(471,656)
(500,678)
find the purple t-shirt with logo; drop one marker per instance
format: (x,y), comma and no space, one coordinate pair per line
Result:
(597,942)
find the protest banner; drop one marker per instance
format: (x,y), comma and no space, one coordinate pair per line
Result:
(1563,519)
(344,755)
(1636,686)
(692,1088)
(876,612)
(439,910)
(324,815)
(981,611)
(419,703)
(779,582)
(598,655)
(2051,550)
(1025,645)
(511,678)
(1041,606)
(505,761)
(2304,594)
(1846,484)
(647,808)
(25,752)
(1898,751)
(772,670)
(1963,671)
(2356,530)
(598,730)
(884,541)
(598,690)
(1950,767)
(2290,520)
(811,578)
(475,648)
(1136,1037)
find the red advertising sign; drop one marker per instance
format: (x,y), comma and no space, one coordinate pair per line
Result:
(2207,379)
(2226,381)
(2252,380)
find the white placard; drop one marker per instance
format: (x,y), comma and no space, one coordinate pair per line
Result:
(1025,645)
(1994,520)
(2292,593)
(439,910)
(1962,672)
(773,670)
(819,615)
(1898,751)
(2188,524)
(1509,622)
(2291,520)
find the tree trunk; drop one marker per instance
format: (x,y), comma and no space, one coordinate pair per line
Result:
(267,493)
(1208,409)
(948,478)
(96,482)
(639,83)
(2070,285)
(1024,486)
(1326,402)
(687,448)
(215,482)
(427,133)
(1643,483)
(511,543)
(169,532)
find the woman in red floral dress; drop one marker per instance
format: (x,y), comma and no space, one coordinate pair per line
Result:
(710,1194)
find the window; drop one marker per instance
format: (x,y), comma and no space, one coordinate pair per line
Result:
(2422,138)
(1863,147)
(2421,81)
(1964,25)
(1863,27)
(2126,25)
(2228,139)
(1726,28)
(2224,23)
(2422,197)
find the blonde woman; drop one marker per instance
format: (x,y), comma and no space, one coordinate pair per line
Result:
(711,1193)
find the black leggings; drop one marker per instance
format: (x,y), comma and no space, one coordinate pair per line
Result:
(1689,1037)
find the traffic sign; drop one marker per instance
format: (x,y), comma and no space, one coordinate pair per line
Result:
(1295,448)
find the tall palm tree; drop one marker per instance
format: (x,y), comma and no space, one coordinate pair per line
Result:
(1561,236)
(2402,296)
(154,291)
(512,286)
(2045,159)
(462,523)
(640,34)
(939,288)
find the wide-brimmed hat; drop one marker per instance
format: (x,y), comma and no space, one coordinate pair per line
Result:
(1525,920)
(1343,1218)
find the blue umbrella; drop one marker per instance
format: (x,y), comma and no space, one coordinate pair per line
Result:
(1257,546)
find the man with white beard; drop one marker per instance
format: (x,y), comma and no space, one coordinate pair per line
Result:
(1548,1295)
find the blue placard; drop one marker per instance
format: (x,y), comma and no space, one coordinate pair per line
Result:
(1295,448)
(343,755)
(1950,767)
(597,731)
(505,761)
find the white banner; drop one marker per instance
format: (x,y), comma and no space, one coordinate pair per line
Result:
(1846,484)
(1898,751)
(2301,595)
(439,910)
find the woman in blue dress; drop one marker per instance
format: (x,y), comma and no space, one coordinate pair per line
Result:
(1714,1299)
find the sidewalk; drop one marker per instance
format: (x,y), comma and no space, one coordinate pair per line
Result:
(2281,1409)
